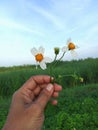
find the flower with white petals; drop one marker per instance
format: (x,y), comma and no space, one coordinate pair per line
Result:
(39,57)
(70,47)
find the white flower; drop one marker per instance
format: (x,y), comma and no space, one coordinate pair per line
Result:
(70,47)
(39,57)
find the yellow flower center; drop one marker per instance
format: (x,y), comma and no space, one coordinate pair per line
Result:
(71,46)
(39,57)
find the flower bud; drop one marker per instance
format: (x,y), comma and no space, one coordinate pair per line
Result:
(81,79)
(56,50)
(59,76)
(52,80)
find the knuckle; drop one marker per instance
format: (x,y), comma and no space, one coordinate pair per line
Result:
(15,94)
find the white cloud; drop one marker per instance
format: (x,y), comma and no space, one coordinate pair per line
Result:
(17,26)
(47,15)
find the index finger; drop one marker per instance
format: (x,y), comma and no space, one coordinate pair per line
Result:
(36,80)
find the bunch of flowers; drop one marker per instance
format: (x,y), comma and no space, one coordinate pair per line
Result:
(41,60)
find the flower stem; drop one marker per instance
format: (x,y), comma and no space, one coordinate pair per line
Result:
(55,58)
(56,61)
(62,56)
(51,66)
(60,76)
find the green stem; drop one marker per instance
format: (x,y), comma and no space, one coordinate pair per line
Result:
(51,66)
(66,76)
(55,58)
(56,61)
(62,56)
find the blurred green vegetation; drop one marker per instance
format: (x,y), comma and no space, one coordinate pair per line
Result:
(77,109)
(78,102)
(11,78)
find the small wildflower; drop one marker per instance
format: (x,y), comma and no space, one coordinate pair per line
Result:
(81,79)
(56,50)
(39,57)
(70,47)
(52,79)
(59,76)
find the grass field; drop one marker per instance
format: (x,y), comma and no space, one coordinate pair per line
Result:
(77,109)
(78,102)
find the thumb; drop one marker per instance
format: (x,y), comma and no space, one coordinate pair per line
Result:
(45,96)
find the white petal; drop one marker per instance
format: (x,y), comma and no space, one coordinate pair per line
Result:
(42,65)
(41,50)
(76,46)
(64,49)
(47,60)
(34,51)
(73,53)
(68,41)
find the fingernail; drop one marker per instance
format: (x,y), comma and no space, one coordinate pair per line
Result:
(49,87)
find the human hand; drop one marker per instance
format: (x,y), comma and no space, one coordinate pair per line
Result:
(29,102)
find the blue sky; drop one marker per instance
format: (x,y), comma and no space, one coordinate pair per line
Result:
(25,24)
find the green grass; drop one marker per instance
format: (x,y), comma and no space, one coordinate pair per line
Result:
(4,108)
(78,102)
(77,108)
(11,78)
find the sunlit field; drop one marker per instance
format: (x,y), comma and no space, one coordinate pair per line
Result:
(78,101)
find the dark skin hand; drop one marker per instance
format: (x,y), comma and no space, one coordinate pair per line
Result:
(29,102)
